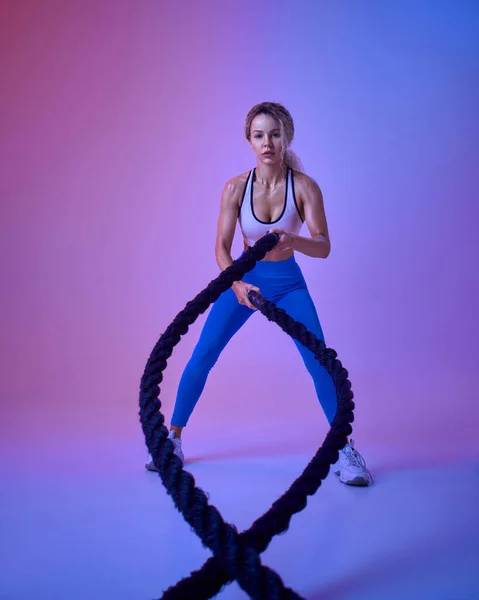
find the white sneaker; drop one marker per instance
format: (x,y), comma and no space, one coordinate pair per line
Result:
(351,467)
(150,465)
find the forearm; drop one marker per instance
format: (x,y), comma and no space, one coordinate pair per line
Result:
(317,246)
(223,258)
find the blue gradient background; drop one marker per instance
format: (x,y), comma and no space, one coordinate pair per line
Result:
(121,123)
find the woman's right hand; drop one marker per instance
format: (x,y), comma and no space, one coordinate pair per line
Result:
(241,289)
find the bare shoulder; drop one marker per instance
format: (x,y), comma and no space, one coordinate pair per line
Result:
(307,187)
(234,187)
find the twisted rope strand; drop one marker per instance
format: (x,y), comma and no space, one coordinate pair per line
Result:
(236,556)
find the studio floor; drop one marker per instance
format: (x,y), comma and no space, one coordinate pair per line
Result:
(83,519)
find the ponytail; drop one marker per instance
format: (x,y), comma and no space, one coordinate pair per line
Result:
(292,160)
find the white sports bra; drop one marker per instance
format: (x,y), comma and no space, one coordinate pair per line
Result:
(253,228)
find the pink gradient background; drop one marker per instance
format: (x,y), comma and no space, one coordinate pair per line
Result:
(121,122)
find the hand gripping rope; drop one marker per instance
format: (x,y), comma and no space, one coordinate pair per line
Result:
(236,556)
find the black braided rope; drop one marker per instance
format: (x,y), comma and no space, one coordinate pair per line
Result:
(237,556)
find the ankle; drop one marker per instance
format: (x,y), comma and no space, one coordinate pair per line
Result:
(176,430)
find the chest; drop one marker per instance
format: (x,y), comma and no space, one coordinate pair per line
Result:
(268,205)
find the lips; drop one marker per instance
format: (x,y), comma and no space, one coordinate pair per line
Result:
(268,153)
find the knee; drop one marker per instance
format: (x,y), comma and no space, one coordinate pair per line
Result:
(203,359)
(314,367)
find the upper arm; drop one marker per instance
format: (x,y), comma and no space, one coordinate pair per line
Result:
(228,216)
(313,206)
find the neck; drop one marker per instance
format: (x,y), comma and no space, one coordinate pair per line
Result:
(271,175)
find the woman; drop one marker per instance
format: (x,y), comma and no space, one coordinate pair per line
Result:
(276,196)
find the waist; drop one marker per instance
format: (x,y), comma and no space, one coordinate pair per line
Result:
(273,256)
(275,278)
(282,265)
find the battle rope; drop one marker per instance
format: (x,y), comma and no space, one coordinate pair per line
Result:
(237,556)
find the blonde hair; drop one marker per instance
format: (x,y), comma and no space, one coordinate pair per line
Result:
(286,125)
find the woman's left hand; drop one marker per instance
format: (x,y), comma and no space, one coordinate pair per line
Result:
(285,240)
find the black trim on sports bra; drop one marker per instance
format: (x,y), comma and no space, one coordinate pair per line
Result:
(244,193)
(294,196)
(284,206)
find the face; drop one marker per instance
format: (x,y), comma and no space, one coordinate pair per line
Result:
(266,139)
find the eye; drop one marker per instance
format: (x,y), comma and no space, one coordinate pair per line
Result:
(277,135)
(258,135)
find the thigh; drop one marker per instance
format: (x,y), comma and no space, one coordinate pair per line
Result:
(300,306)
(226,317)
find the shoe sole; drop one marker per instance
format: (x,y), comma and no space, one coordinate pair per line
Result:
(357,481)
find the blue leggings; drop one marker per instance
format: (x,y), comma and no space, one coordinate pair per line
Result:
(281,282)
